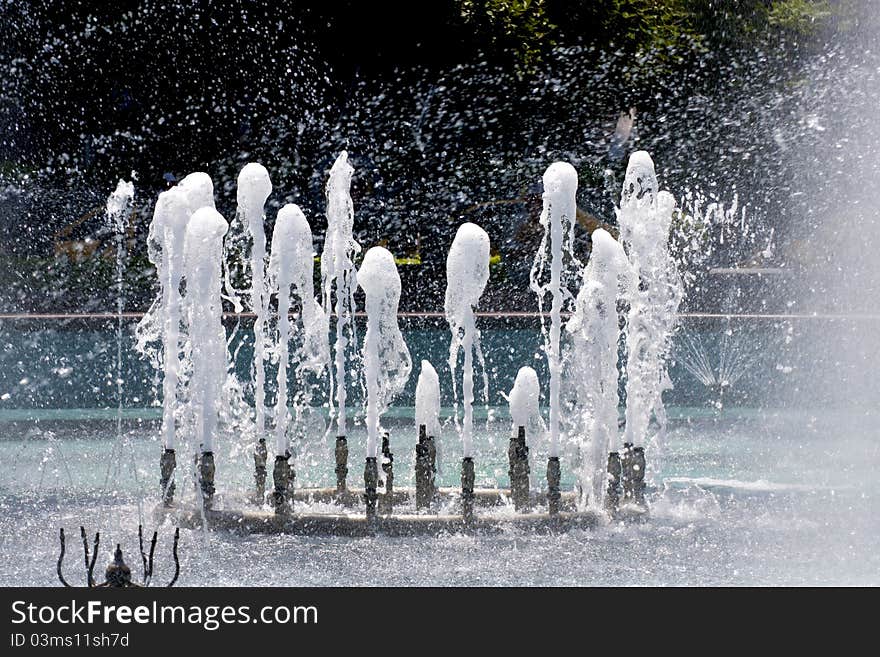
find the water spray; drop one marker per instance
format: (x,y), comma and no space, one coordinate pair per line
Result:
(427,416)
(338,284)
(467,272)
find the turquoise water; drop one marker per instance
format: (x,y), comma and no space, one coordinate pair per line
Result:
(769,497)
(773,483)
(60,365)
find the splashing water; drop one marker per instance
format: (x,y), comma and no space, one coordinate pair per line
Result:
(427,409)
(467,272)
(161,325)
(557,219)
(199,190)
(203,257)
(524,400)
(291,271)
(254,188)
(337,273)
(591,363)
(166,238)
(722,365)
(387,362)
(117,209)
(645,216)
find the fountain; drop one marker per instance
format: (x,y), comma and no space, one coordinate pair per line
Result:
(291,272)
(117,208)
(591,360)
(557,220)
(722,361)
(254,188)
(525,411)
(386,357)
(203,253)
(165,248)
(338,285)
(645,216)
(769,484)
(467,272)
(427,416)
(582,361)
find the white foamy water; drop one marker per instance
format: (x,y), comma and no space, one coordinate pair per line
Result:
(254,188)
(291,272)
(161,325)
(427,409)
(337,274)
(117,209)
(467,272)
(591,363)
(165,248)
(524,399)
(558,219)
(203,267)
(757,485)
(645,216)
(199,190)
(387,363)
(120,200)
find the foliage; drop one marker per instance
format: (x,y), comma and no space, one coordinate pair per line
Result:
(522,26)
(666,28)
(651,24)
(803,17)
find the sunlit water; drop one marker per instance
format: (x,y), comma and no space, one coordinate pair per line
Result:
(750,498)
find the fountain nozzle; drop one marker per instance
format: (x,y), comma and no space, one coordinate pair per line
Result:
(261,455)
(424,470)
(554,477)
(467,489)
(371,483)
(638,475)
(282,475)
(341,463)
(626,471)
(206,478)
(612,494)
(167,465)
(518,458)
(386,502)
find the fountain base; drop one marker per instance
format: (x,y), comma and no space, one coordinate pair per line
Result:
(324,524)
(493,514)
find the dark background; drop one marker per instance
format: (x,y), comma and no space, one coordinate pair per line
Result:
(450,111)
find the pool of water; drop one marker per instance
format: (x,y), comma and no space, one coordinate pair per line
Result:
(771,361)
(741,497)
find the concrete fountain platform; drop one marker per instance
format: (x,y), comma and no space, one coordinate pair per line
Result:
(483,497)
(351,521)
